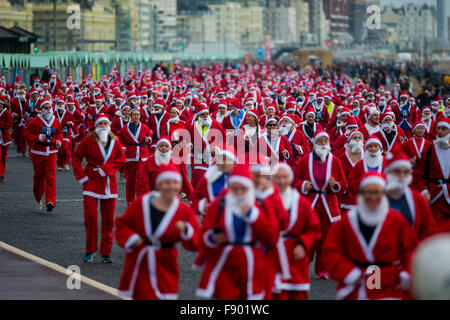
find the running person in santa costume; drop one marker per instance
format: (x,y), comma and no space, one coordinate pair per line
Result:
(18,109)
(148,172)
(320,178)
(149,230)
(432,173)
(297,241)
(299,143)
(45,137)
(402,198)
(417,147)
(135,138)
(104,155)
(6,122)
(65,117)
(370,235)
(234,227)
(272,144)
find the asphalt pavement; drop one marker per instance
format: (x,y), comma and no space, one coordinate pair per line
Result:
(59,236)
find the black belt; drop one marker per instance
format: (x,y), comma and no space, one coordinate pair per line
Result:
(318,192)
(137,144)
(360,264)
(439,181)
(162,245)
(46,144)
(289,236)
(252,244)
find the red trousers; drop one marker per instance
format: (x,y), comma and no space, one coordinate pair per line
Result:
(325,224)
(3,156)
(291,295)
(107,207)
(130,171)
(19,138)
(44,177)
(64,154)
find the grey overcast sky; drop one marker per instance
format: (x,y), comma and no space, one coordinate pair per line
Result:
(398,3)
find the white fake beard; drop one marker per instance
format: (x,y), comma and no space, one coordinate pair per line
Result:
(162,158)
(174,120)
(322,152)
(47,114)
(356,146)
(436,109)
(157,111)
(388,126)
(284,129)
(373,160)
(286,196)
(103,133)
(397,185)
(447,112)
(443,142)
(205,122)
(236,203)
(370,217)
(426,118)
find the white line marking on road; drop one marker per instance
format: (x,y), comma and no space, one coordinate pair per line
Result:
(60,269)
(80,200)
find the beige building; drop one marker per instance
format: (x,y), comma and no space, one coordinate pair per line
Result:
(163,24)
(302,9)
(21,16)
(228,18)
(197,27)
(251,21)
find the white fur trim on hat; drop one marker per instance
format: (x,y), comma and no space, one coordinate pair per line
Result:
(242,180)
(372,140)
(372,180)
(319,135)
(283,166)
(252,114)
(289,118)
(227,154)
(202,111)
(168,175)
(398,164)
(443,124)
(164,140)
(98,120)
(261,168)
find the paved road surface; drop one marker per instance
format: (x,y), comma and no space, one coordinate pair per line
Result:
(60,237)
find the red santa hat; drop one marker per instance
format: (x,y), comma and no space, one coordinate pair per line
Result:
(269,120)
(168,172)
(261,163)
(223,103)
(2,99)
(290,117)
(271,106)
(385,116)
(418,124)
(159,102)
(404,95)
(445,122)
(425,109)
(70,100)
(397,160)
(254,113)
(99,97)
(165,139)
(345,110)
(372,178)
(320,96)
(44,102)
(373,139)
(308,111)
(102,117)
(350,136)
(228,152)
(202,108)
(328,95)
(320,133)
(176,109)
(351,122)
(125,106)
(241,174)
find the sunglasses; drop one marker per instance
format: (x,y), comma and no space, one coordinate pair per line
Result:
(272,125)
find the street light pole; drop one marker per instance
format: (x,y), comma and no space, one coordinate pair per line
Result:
(54,25)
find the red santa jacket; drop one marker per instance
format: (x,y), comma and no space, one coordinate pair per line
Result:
(66,120)
(367,130)
(316,127)
(170,127)
(416,148)
(324,199)
(297,138)
(117,125)
(349,256)
(156,125)
(407,118)
(136,148)
(77,119)
(148,172)
(429,176)
(355,178)
(265,147)
(223,258)
(159,252)
(303,228)
(215,137)
(227,124)
(19,107)
(91,113)
(52,131)
(99,175)
(397,142)
(5,126)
